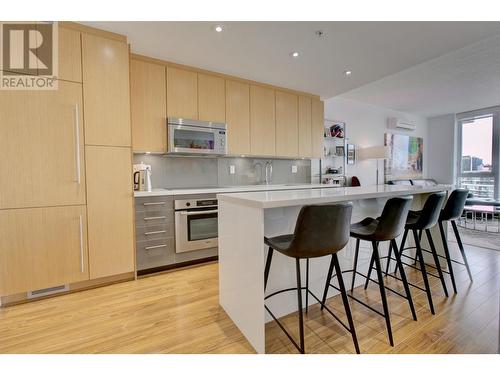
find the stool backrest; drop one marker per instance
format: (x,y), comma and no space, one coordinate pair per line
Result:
(429,214)
(321,230)
(455,205)
(393,219)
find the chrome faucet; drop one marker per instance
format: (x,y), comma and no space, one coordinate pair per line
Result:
(269,172)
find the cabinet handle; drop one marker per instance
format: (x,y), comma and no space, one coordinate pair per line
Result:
(81,243)
(154,247)
(155,218)
(155,232)
(77,141)
(153,203)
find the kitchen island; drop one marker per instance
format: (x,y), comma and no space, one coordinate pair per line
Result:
(244,220)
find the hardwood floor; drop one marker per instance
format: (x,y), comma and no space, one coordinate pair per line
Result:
(178,312)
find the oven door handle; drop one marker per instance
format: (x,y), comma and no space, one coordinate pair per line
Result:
(190,213)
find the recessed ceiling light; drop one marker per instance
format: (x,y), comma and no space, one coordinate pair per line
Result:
(219,28)
(347,73)
(295,54)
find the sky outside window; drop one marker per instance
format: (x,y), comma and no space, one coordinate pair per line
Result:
(477,138)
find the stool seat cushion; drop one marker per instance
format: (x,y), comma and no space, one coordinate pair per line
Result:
(279,243)
(412,219)
(364,229)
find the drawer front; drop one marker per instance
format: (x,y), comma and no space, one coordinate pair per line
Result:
(155,253)
(154,203)
(154,232)
(154,218)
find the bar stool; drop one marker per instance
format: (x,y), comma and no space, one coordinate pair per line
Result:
(451,212)
(420,221)
(320,230)
(386,228)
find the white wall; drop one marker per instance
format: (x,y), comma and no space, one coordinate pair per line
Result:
(366,125)
(442,139)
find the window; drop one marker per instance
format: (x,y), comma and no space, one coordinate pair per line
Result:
(478,146)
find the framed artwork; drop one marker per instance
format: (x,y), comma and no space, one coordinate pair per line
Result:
(406,157)
(339,150)
(351,154)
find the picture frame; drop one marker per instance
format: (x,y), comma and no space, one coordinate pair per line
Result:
(351,154)
(339,151)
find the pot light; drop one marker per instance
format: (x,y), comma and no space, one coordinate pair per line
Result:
(219,28)
(347,72)
(295,54)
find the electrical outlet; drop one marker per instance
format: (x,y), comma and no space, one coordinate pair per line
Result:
(232,169)
(294,169)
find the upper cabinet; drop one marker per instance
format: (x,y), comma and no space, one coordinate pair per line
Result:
(106,91)
(262,121)
(148,106)
(318,132)
(41,137)
(305,130)
(70,55)
(287,133)
(211,98)
(182,93)
(238,117)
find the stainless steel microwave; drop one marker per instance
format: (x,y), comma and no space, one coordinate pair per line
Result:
(196,137)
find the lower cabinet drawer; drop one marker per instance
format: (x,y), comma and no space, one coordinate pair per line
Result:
(154,232)
(155,253)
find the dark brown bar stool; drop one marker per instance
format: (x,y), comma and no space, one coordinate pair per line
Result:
(386,228)
(320,230)
(420,221)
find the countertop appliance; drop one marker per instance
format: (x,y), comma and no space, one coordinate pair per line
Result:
(142,177)
(196,226)
(196,137)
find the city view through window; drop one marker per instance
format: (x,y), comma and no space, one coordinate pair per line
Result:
(476,159)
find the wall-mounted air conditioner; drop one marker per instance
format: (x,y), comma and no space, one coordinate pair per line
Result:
(397,123)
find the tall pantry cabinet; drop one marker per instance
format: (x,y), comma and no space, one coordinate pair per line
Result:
(66,205)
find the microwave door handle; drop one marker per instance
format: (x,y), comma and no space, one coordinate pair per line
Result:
(190,213)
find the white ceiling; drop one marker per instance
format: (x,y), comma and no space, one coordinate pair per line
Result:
(459,81)
(261,51)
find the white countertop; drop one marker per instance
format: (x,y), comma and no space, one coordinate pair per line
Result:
(230,189)
(272,199)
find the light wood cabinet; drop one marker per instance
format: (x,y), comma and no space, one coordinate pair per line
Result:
(70,55)
(41,138)
(318,132)
(106,91)
(262,121)
(110,210)
(305,129)
(211,98)
(238,117)
(182,93)
(42,248)
(148,106)
(287,131)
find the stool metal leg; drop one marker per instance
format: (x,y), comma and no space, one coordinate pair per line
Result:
(268,266)
(436,261)
(403,278)
(299,305)
(461,247)
(372,261)
(382,292)
(447,254)
(388,259)
(402,247)
(356,254)
(345,300)
(327,285)
(307,285)
(423,271)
